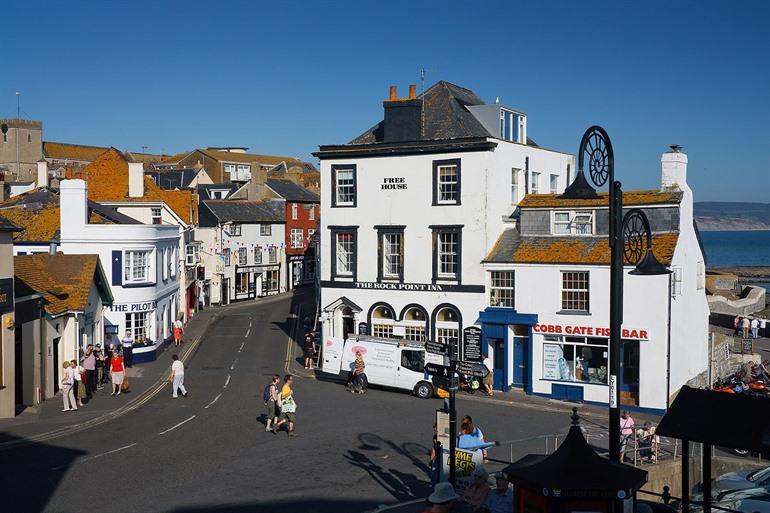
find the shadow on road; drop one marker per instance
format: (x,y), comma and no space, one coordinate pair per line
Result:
(31,473)
(402,486)
(307,505)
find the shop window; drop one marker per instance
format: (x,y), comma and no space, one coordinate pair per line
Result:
(265,230)
(270,281)
(243,256)
(415,333)
(446,182)
(382,330)
(414,322)
(382,322)
(448,327)
(344,185)
(138,323)
(272,255)
(413,360)
(257,255)
(242,283)
(574,291)
(501,288)
(576,359)
(136,266)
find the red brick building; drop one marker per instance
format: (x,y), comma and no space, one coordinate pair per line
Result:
(302,210)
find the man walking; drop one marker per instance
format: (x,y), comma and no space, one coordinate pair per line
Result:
(271,402)
(128,349)
(754,328)
(177,377)
(745,324)
(67,394)
(288,405)
(89,364)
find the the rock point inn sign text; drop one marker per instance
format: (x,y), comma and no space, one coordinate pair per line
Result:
(411,287)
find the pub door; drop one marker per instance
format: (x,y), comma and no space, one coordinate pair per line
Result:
(520,361)
(497,346)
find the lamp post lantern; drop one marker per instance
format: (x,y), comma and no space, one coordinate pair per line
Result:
(630,239)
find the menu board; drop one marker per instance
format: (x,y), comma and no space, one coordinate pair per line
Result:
(472,346)
(551,355)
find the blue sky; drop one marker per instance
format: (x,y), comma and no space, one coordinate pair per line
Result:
(284,77)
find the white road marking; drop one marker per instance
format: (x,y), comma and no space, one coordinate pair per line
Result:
(247,333)
(227,382)
(212,402)
(176,426)
(241,348)
(99,455)
(233,365)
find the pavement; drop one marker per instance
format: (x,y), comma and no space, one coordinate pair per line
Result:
(210,453)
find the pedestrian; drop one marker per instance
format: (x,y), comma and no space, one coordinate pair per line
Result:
(745,324)
(434,460)
(476,493)
(309,351)
(128,349)
(443,498)
(500,500)
(359,374)
(288,406)
(118,372)
(67,382)
(100,369)
(89,364)
(177,377)
(626,432)
(270,395)
(108,352)
(488,380)
(754,328)
(737,326)
(763,327)
(178,330)
(79,374)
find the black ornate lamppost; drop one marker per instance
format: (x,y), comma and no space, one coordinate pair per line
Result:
(630,239)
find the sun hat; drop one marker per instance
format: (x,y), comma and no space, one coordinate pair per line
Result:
(443,493)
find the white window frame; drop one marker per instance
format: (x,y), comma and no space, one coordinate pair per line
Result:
(140,331)
(345,252)
(392,265)
(165,257)
(243,171)
(234,230)
(447,190)
(453,255)
(572,223)
(553,183)
(156,213)
(515,187)
(227,254)
(173,261)
(265,230)
(415,333)
(294,211)
(232,169)
(297,238)
(257,255)
(382,330)
(503,281)
(534,182)
(701,275)
(574,290)
(243,256)
(345,189)
(192,255)
(677,277)
(311,213)
(138,265)
(272,255)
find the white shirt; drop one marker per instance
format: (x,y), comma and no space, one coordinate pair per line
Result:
(762,323)
(76,372)
(127,342)
(177,368)
(755,323)
(487,363)
(68,376)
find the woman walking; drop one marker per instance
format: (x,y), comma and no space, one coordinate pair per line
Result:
(118,372)
(80,376)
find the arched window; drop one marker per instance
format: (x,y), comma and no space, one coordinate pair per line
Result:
(448,326)
(383,321)
(414,321)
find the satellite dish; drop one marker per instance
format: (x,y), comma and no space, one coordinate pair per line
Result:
(4,128)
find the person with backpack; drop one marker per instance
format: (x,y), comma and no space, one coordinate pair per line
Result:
(270,395)
(288,406)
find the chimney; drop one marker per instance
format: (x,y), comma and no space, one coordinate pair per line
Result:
(2,191)
(73,208)
(256,187)
(403,117)
(294,174)
(135,180)
(674,168)
(42,173)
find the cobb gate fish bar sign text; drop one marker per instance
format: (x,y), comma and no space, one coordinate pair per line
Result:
(393,183)
(590,331)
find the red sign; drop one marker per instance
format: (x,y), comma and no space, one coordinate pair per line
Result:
(588,331)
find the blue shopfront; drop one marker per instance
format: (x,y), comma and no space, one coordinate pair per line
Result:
(507,339)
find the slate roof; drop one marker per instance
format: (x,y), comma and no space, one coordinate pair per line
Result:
(63,280)
(107,178)
(248,158)
(647,197)
(290,191)
(83,152)
(36,212)
(511,247)
(244,211)
(7,226)
(175,179)
(204,189)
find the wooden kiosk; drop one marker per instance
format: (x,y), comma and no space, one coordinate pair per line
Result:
(574,479)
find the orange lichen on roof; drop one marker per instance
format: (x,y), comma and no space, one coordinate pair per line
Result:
(56,150)
(41,225)
(63,280)
(648,197)
(107,178)
(576,250)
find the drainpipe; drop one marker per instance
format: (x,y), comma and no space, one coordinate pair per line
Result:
(668,348)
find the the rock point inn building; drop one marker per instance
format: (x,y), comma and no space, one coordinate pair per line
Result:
(446,215)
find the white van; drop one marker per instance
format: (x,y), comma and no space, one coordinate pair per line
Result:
(389,362)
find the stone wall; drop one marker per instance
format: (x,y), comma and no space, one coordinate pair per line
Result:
(723,361)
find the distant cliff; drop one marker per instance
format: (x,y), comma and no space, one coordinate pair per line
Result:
(727,216)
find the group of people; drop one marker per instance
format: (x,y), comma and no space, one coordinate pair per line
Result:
(97,367)
(644,439)
(749,326)
(281,407)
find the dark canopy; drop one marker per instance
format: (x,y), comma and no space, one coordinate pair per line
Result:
(575,470)
(739,421)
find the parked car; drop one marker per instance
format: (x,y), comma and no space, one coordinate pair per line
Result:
(741,480)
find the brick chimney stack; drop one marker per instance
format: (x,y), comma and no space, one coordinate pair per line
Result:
(393,93)
(135,180)
(412,92)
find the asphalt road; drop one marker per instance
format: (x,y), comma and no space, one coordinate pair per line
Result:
(209,452)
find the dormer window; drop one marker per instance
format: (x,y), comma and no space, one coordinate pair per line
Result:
(156,214)
(512,126)
(570,222)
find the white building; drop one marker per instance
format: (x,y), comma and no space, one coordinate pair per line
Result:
(547,323)
(140,258)
(410,208)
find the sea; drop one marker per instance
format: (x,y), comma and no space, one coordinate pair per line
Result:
(737,249)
